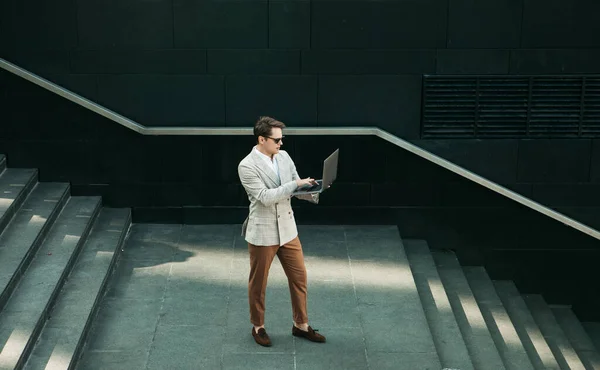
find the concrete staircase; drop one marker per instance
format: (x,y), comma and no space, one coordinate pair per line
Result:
(500,328)
(387,303)
(56,254)
(383,302)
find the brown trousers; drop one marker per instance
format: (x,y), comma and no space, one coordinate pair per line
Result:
(292,260)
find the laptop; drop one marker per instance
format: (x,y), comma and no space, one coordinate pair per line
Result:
(330,166)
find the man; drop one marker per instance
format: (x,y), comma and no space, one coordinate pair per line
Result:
(269,177)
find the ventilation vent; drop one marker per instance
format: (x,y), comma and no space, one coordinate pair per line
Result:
(591,107)
(506,106)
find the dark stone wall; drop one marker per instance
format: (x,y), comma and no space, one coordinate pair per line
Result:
(307,62)
(193,179)
(563,174)
(311,63)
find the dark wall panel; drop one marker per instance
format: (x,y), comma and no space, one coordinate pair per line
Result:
(587,215)
(405,194)
(39,61)
(474,61)
(561,195)
(221,24)
(561,24)
(461,193)
(523,189)
(408,24)
(165,196)
(340,24)
(308,153)
(181,165)
(3,31)
(493,159)
(595,162)
(219,166)
(85,84)
(402,166)
(352,156)
(358,24)
(389,102)
(560,61)
(66,163)
(50,115)
(368,62)
(289,24)
(350,194)
(187,160)
(554,161)
(355,152)
(253,62)
(291,98)
(139,61)
(562,278)
(116,162)
(484,24)
(38,25)
(165,99)
(125,24)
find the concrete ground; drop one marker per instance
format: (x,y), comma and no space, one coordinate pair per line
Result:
(178,300)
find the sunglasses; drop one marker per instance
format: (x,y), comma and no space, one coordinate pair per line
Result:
(275,139)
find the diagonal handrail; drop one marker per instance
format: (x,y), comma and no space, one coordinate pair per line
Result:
(361,131)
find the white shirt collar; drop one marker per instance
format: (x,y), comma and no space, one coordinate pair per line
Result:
(271,163)
(265,156)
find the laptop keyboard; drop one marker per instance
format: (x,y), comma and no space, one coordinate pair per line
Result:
(316,186)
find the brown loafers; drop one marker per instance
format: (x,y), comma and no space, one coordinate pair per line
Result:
(261,337)
(311,334)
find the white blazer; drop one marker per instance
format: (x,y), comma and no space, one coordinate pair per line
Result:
(271,219)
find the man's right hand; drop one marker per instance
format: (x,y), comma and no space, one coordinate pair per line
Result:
(305,182)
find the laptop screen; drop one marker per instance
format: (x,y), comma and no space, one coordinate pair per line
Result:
(330,166)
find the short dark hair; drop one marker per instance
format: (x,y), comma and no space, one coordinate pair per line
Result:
(264,126)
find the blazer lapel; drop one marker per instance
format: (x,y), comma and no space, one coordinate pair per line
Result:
(264,168)
(283,169)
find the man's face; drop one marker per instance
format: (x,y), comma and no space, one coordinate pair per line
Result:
(272,143)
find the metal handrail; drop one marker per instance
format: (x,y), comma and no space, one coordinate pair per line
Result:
(361,131)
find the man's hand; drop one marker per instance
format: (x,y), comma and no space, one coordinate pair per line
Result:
(305,182)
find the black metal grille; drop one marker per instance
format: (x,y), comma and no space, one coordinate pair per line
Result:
(510,106)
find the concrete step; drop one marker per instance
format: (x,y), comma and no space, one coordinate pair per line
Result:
(26,312)
(15,185)
(2,162)
(387,296)
(447,337)
(65,332)
(530,334)
(593,330)
(501,327)
(22,237)
(563,350)
(577,336)
(475,332)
